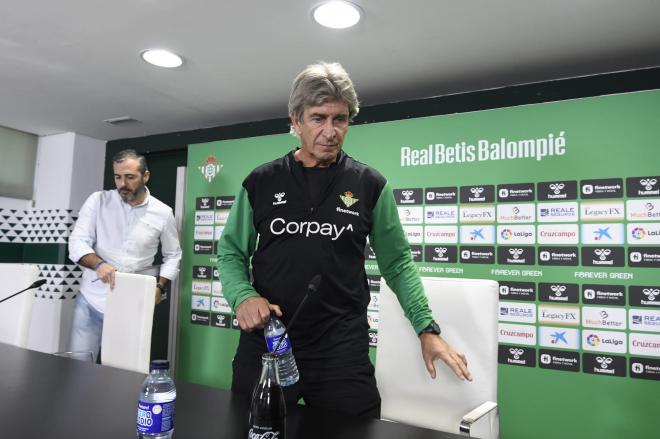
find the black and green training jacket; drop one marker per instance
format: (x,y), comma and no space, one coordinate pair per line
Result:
(290,239)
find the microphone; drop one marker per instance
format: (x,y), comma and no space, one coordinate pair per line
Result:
(312,288)
(35,284)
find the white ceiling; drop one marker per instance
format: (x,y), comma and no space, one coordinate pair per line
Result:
(67,65)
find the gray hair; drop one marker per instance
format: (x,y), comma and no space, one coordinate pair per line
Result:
(128,154)
(320,83)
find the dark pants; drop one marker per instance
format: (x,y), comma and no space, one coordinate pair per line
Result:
(349,389)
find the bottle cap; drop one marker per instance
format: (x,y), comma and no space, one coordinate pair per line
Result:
(160,364)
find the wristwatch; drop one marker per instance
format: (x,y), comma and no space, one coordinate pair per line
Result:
(432,328)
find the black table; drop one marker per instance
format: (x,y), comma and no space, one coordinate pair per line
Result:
(43,396)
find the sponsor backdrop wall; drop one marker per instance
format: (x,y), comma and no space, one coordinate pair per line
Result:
(558,202)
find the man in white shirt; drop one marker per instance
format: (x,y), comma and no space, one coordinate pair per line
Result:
(119,230)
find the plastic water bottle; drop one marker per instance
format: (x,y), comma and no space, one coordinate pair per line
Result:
(286,364)
(155,414)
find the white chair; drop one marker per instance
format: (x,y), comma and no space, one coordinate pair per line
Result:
(466,311)
(16,313)
(129,310)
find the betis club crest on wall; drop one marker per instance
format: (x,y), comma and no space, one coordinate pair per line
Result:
(210,168)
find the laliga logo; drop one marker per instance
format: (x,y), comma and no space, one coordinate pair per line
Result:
(648,183)
(407,194)
(515,252)
(476,191)
(516,352)
(440,251)
(651,293)
(602,253)
(557,187)
(558,289)
(604,361)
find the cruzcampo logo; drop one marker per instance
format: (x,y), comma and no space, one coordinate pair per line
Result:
(210,168)
(348,199)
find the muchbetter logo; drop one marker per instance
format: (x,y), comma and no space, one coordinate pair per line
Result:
(557,187)
(210,168)
(279,196)
(516,352)
(602,253)
(558,289)
(515,252)
(349,199)
(648,183)
(604,362)
(651,293)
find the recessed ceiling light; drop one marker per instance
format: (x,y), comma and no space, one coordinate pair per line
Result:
(162,58)
(337,14)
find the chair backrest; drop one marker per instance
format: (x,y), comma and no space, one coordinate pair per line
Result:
(16,313)
(466,311)
(129,310)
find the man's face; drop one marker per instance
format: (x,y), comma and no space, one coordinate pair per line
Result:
(322,130)
(129,180)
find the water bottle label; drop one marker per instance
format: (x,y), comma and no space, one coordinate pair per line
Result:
(272,342)
(155,417)
(263,433)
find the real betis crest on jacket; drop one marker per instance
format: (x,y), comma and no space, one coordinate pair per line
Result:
(348,198)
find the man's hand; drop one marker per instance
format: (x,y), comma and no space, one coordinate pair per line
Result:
(435,347)
(106,273)
(158,297)
(254,312)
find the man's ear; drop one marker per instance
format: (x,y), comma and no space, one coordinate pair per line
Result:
(146,176)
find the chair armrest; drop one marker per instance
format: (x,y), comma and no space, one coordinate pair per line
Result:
(474,415)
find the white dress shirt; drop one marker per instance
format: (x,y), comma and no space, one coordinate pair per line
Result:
(125,236)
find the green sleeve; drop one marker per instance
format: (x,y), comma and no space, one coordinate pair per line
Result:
(395,261)
(236,246)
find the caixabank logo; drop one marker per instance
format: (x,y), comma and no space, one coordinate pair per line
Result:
(594,294)
(559,360)
(603,364)
(517,291)
(557,190)
(516,355)
(603,256)
(478,194)
(440,253)
(645,257)
(602,188)
(514,193)
(637,187)
(558,292)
